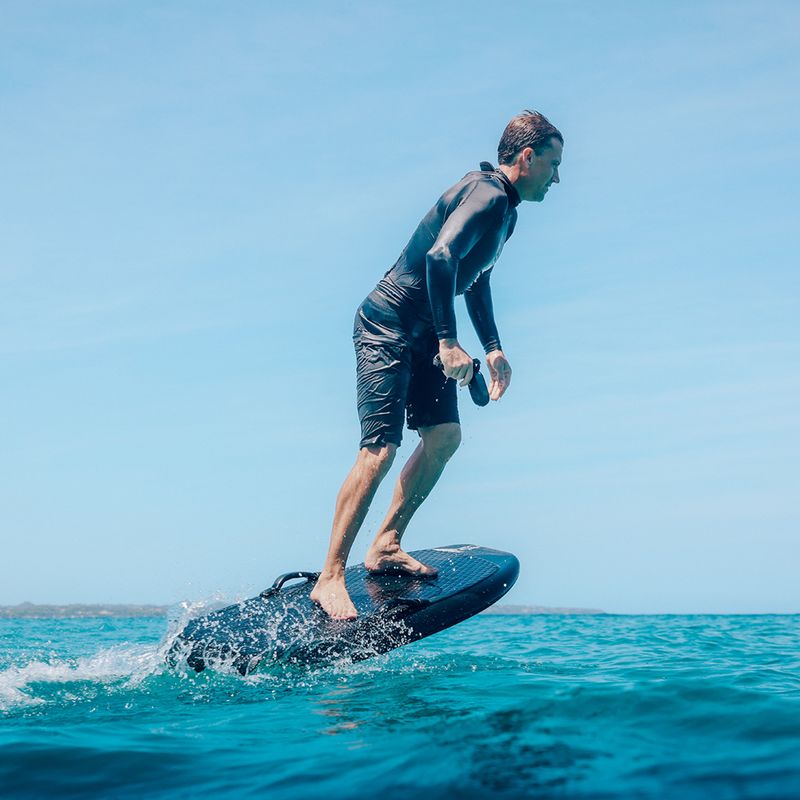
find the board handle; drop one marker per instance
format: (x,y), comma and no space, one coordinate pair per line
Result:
(287,576)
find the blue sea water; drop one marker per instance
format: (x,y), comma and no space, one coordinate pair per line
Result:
(497,707)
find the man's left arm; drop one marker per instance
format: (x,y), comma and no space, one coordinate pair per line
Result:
(479,305)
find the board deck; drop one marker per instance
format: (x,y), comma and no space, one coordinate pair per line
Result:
(283,624)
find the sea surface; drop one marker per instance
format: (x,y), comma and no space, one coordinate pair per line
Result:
(497,707)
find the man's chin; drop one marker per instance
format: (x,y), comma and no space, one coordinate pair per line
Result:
(537,197)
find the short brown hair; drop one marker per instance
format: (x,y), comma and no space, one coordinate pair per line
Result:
(528,129)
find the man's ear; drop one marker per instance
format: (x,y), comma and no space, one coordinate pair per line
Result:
(526,158)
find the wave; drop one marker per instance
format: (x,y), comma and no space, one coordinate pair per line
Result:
(125,664)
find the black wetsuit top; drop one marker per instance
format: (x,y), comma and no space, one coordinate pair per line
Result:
(452,252)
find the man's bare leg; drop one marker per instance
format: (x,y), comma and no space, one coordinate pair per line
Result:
(419,476)
(352,504)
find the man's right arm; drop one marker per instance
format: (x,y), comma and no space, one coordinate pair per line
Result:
(479,210)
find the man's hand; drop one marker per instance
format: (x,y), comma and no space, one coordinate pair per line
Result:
(500,373)
(456,363)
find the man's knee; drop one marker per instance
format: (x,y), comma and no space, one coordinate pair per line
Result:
(441,441)
(378,458)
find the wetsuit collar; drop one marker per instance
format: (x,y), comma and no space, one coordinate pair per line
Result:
(513,194)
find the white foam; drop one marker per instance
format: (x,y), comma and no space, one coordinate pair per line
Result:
(123,662)
(132,663)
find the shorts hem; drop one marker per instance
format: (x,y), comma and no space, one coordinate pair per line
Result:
(415,426)
(379,440)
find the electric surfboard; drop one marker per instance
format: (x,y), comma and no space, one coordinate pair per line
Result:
(283,624)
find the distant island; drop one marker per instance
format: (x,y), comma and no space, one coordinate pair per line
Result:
(527,610)
(34,611)
(78,611)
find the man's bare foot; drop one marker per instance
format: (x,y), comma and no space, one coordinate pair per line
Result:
(393,559)
(330,592)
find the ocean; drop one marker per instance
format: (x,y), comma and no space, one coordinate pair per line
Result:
(537,706)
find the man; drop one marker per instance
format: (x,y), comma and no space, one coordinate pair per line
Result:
(405,322)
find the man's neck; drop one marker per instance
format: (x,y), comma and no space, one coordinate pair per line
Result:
(510,171)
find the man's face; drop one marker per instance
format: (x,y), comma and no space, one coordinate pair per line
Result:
(538,172)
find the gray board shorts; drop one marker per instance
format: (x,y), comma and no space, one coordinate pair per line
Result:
(395,375)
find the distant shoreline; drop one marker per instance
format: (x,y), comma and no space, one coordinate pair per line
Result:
(79,611)
(88,611)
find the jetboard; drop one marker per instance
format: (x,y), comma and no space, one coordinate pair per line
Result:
(283,624)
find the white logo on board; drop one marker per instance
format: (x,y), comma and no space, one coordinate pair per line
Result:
(457,549)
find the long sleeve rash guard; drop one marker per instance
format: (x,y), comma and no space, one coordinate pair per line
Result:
(452,252)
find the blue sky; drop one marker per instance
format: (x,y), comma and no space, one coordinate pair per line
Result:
(196,196)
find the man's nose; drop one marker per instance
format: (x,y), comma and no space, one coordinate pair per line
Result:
(556,179)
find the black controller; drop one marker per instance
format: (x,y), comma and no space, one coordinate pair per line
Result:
(477,386)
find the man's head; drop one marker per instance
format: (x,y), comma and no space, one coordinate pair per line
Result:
(530,153)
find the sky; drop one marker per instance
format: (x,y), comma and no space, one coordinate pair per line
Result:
(196,196)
